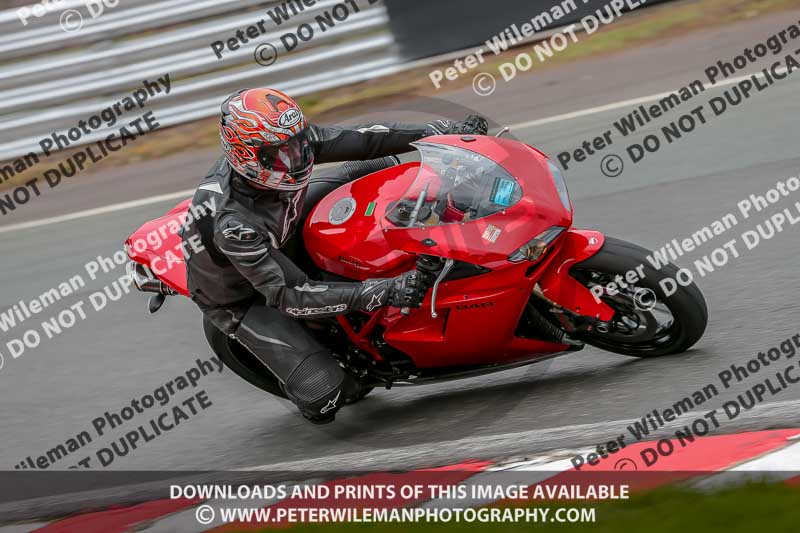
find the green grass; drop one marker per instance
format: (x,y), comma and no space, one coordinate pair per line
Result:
(664,21)
(754,508)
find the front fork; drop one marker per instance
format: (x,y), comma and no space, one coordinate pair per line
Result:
(571,302)
(570,321)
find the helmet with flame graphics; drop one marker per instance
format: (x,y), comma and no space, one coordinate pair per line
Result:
(265,138)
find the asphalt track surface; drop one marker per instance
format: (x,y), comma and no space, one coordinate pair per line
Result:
(51,393)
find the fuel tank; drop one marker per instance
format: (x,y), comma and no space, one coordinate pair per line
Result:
(344,234)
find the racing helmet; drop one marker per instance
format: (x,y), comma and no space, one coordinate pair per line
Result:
(265,138)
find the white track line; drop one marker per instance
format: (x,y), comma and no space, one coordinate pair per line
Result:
(98,211)
(496,445)
(631,102)
(526,473)
(23,528)
(778,461)
(775,466)
(521,125)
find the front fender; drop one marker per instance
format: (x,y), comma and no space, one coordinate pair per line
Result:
(559,286)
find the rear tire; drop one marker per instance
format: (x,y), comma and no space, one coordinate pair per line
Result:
(242,362)
(637,331)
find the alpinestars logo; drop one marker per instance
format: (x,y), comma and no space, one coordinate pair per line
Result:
(331,404)
(310,311)
(375,302)
(239,233)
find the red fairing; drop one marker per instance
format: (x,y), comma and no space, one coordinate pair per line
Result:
(367,246)
(477,316)
(357,249)
(157,245)
(559,286)
(480,201)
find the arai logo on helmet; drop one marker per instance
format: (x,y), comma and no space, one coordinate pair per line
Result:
(290,118)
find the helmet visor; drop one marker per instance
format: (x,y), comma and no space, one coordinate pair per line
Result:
(293,156)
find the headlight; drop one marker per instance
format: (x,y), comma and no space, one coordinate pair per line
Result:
(561,185)
(536,247)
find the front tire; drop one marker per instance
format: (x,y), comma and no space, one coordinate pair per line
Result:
(646,322)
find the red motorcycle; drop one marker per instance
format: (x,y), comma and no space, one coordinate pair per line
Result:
(490,220)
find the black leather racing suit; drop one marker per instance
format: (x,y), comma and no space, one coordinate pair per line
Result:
(249,289)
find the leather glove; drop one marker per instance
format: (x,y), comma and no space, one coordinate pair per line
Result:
(472,125)
(406,290)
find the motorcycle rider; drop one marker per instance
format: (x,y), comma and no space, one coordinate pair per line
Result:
(242,279)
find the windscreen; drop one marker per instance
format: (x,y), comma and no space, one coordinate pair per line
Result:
(454,185)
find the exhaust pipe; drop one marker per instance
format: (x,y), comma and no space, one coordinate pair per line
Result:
(143,280)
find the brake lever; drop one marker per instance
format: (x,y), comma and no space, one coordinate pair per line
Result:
(448,265)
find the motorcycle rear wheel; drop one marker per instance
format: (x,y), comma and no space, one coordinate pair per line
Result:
(646,322)
(242,362)
(248,367)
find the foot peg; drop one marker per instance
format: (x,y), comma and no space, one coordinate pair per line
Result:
(155,303)
(575,323)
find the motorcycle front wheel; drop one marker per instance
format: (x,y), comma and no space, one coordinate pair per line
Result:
(647,322)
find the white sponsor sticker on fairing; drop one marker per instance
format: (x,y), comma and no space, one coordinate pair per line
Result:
(491,233)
